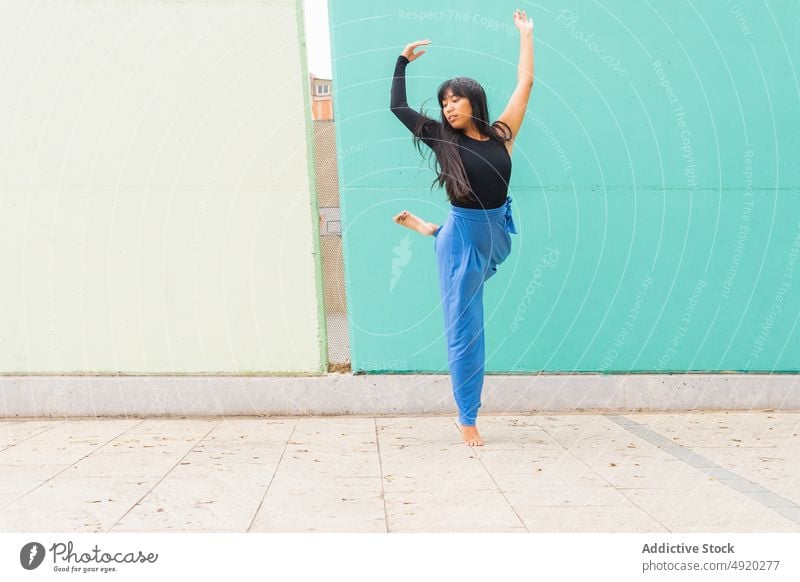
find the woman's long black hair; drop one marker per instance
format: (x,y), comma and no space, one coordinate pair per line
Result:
(447,141)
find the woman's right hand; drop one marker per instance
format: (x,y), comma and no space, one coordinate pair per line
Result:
(408,52)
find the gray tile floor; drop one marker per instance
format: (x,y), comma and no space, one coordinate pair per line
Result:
(686,472)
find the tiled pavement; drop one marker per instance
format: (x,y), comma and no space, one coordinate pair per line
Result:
(667,472)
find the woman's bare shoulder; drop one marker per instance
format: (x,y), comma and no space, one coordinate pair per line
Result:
(505,132)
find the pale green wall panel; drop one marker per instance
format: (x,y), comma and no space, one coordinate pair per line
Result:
(155,189)
(666,182)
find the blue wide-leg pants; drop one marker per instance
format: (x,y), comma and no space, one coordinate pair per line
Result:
(469,246)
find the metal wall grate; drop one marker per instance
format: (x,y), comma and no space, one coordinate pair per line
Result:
(330,228)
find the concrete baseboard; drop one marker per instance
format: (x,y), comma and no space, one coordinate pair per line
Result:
(342,394)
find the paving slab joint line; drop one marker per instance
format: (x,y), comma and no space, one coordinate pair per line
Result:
(769,499)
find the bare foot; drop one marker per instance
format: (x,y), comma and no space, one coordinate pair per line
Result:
(413,222)
(471,436)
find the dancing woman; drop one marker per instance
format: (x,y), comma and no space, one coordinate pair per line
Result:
(473,162)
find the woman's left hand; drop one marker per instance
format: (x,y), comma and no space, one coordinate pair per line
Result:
(522,22)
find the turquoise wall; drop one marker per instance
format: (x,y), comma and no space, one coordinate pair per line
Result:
(655,183)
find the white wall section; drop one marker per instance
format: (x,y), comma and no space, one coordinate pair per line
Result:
(155,199)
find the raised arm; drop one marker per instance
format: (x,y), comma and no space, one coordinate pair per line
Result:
(518,102)
(399,102)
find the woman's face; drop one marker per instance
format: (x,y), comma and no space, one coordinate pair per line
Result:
(457,110)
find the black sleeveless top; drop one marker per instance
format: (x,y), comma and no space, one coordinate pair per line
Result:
(487,163)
